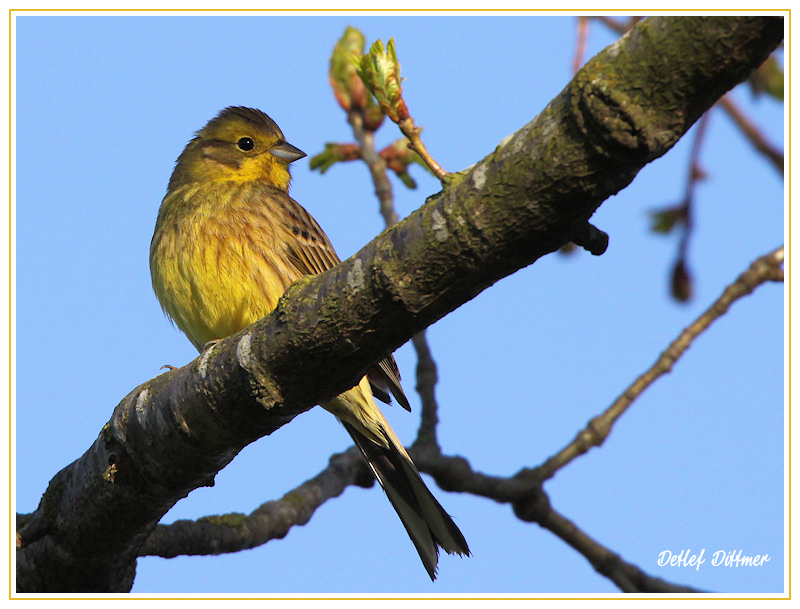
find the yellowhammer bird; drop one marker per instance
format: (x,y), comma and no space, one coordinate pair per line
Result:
(228,242)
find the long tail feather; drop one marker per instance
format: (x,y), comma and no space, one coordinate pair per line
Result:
(426,522)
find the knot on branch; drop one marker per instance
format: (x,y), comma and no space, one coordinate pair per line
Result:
(350,465)
(615,122)
(532,506)
(449,472)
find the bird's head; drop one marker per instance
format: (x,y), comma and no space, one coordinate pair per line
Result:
(239,144)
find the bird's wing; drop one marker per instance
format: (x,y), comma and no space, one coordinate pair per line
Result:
(311,253)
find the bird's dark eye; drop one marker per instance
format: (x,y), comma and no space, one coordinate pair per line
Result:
(246,144)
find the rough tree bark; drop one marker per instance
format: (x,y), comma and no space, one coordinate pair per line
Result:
(535,192)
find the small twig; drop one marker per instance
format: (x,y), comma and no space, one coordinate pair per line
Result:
(427,377)
(764,269)
(616,26)
(376,166)
(379,70)
(696,174)
(412,132)
(580,43)
(752,132)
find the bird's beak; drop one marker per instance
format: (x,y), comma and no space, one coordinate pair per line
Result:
(284,150)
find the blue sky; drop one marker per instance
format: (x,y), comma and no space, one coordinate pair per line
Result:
(104,105)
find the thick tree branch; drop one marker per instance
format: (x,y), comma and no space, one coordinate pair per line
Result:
(526,199)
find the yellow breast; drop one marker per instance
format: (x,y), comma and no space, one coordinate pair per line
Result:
(218,259)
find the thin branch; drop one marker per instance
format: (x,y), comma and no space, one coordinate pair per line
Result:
(427,377)
(752,132)
(580,43)
(412,132)
(764,269)
(531,504)
(681,283)
(617,25)
(229,533)
(376,166)
(626,576)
